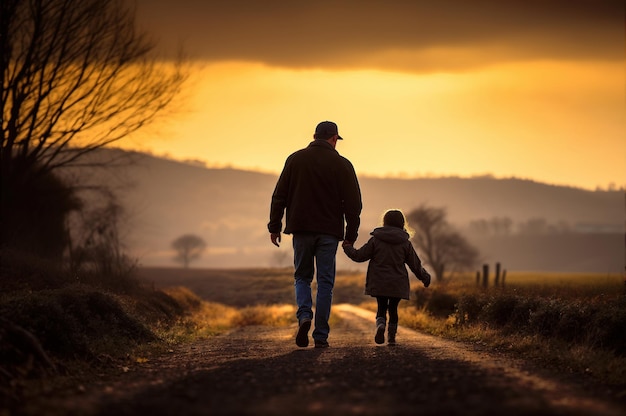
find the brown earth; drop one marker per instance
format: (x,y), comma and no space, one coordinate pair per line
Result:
(259,370)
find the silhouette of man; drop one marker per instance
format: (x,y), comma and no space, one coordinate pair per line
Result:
(319,190)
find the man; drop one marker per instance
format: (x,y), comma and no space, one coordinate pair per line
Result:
(319,189)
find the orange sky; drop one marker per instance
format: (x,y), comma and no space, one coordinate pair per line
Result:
(527,89)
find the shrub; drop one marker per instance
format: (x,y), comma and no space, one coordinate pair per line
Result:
(421,297)
(608,331)
(73,322)
(468,309)
(544,319)
(591,322)
(441,304)
(499,309)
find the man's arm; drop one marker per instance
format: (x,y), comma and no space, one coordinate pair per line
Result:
(277,206)
(352,202)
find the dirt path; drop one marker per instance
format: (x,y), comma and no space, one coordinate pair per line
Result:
(259,370)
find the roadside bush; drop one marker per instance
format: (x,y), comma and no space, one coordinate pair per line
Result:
(608,330)
(73,322)
(576,319)
(184,298)
(421,297)
(594,322)
(520,316)
(545,318)
(468,309)
(436,302)
(499,309)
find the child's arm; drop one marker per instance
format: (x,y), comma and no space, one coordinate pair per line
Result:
(415,264)
(362,254)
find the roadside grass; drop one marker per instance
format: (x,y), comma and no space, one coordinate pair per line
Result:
(572,323)
(55,326)
(57,330)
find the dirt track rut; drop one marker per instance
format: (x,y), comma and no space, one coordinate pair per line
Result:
(259,370)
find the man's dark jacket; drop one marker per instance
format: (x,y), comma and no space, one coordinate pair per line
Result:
(318,188)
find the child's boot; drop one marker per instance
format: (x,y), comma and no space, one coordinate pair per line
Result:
(393,328)
(380,330)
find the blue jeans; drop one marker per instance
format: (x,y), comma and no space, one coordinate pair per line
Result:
(315,251)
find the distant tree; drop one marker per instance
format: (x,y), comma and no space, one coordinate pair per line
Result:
(444,248)
(76,76)
(533,226)
(188,247)
(495,226)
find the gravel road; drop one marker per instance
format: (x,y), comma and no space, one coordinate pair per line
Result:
(259,370)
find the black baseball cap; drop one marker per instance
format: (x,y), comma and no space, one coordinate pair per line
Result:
(326,129)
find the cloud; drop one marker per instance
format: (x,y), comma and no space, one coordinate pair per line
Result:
(411,35)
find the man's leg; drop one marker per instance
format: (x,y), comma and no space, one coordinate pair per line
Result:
(303,253)
(325,256)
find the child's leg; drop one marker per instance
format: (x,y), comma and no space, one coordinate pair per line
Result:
(383,304)
(393,310)
(381,319)
(393,319)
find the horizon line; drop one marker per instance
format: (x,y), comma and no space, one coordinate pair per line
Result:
(401,175)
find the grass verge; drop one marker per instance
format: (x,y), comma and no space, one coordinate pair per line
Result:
(64,337)
(571,328)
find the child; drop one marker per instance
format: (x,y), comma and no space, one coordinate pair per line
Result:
(387,279)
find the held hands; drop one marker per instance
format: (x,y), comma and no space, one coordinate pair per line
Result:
(346,243)
(275,237)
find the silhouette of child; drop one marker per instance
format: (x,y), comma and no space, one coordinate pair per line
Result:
(387,279)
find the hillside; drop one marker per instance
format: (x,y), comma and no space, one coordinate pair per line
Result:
(229,209)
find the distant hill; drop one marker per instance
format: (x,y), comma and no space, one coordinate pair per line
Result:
(229,209)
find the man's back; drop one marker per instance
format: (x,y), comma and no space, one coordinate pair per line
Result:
(317,187)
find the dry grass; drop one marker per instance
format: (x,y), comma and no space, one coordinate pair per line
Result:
(205,318)
(573,323)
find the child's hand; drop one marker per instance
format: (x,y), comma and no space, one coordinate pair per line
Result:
(425,278)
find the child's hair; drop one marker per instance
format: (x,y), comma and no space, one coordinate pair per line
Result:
(394,218)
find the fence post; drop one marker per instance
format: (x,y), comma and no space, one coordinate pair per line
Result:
(497,281)
(503,276)
(485,275)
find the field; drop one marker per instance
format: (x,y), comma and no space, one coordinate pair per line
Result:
(247,287)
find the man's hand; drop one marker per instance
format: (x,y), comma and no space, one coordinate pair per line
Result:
(346,243)
(275,237)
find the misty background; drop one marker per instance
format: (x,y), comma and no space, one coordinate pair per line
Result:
(525,225)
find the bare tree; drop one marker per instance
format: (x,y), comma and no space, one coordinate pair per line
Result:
(95,248)
(444,248)
(76,76)
(188,247)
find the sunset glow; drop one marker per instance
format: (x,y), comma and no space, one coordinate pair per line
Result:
(468,110)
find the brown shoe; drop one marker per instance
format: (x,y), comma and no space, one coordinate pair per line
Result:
(321,344)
